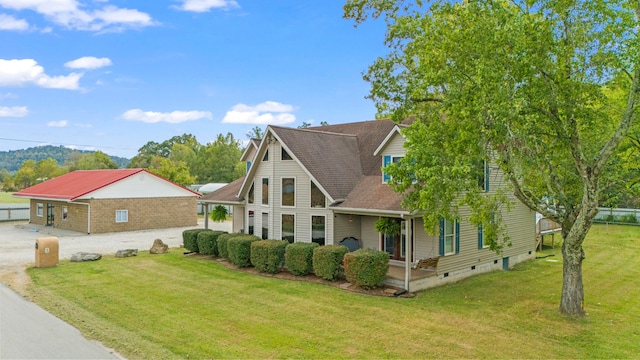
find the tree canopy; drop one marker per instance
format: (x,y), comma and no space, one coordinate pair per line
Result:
(535,86)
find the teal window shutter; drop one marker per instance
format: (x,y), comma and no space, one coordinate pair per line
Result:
(386,160)
(457,236)
(441,236)
(486,176)
(480,237)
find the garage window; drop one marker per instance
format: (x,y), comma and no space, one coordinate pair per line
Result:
(39,208)
(122,216)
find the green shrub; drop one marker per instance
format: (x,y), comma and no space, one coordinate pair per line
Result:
(298,258)
(268,255)
(223,239)
(190,239)
(207,242)
(239,248)
(366,268)
(327,261)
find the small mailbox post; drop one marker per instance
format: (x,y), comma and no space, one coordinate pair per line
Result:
(47,251)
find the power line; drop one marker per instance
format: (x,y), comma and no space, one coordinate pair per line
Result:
(68,145)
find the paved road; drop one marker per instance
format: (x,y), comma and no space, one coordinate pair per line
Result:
(29,332)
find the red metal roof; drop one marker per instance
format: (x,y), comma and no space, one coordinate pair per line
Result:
(78,183)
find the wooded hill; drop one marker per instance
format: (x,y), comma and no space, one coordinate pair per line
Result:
(13,159)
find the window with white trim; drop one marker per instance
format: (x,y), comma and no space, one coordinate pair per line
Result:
(387,160)
(122,216)
(449,237)
(289,192)
(65,213)
(39,209)
(318,229)
(289,227)
(317,197)
(265,191)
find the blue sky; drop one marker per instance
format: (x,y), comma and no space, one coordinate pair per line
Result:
(112,75)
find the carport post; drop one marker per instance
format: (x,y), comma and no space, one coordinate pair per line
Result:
(206,215)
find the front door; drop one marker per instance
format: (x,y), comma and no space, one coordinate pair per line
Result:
(49,214)
(396,245)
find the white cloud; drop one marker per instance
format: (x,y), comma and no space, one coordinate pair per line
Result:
(27,72)
(174,117)
(71,14)
(268,112)
(61,123)
(13,111)
(8,96)
(8,22)
(88,62)
(206,5)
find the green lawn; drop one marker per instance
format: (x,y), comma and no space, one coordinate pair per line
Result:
(6,198)
(172,306)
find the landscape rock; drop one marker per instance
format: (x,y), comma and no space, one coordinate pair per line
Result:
(159,247)
(83,256)
(126,253)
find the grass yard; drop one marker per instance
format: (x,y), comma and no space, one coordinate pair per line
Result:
(172,306)
(6,198)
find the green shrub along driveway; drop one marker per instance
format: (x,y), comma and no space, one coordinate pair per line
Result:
(176,306)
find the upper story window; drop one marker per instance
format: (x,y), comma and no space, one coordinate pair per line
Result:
(288,192)
(386,160)
(266,156)
(482,169)
(317,197)
(265,191)
(285,155)
(248,165)
(250,195)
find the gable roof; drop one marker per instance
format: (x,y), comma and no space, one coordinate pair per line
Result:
(227,194)
(79,183)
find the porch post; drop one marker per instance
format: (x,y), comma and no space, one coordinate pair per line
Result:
(408,255)
(206,215)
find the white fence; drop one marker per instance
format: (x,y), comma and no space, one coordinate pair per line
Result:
(14,212)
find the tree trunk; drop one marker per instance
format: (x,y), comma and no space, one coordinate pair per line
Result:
(572,301)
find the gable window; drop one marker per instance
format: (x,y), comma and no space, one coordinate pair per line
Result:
(39,209)
(318,229)
(387,160)
(265,226)
(65,213)
(482,169)
(288,192)
(250,195)
(265,191)
(266,156)
(289,227)
(449,237)
(317,197)
(122,216)
(285,155)
(248,165)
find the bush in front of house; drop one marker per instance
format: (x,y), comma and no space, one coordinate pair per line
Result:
(207,242)
(223,239)
(366,268)
(298,258)
(239,248)
(268,255)
(327,261)
(190,238)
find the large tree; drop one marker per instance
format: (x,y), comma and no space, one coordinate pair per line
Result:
(527,82)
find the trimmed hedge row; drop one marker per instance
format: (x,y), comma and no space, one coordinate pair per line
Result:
(207,242)
(239,249)
(223,249)
(366,268)
(327,261)
(190,238)
(298,258)
(268,255)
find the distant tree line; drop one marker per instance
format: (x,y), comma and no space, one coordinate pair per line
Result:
(12,160)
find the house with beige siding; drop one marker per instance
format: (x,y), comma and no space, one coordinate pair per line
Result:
(102,201)
(326,185)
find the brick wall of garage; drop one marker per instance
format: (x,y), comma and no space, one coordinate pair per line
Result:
(143,213)
(76,219)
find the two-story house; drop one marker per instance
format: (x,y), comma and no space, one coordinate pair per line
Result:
(325,184)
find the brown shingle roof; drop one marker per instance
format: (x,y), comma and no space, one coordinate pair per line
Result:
(226,194)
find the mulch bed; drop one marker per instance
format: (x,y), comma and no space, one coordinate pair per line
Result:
(384,290)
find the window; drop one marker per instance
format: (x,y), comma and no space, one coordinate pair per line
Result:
(122,216)
(317,197)
(289,227)
(449,237)
(285,155)
(250,222)
(288,192)
(482,239)
(250,195)
(248,165)
(65,213)
(387,160)
(266,156)
(39,209)
(318,232)
(265,191)
(482,169)
(265,226)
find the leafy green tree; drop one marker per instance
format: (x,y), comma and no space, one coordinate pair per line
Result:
(26,175)
(217,161)
(255,133)
(176,171)
(48,169)
(163,149)
(523,81)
